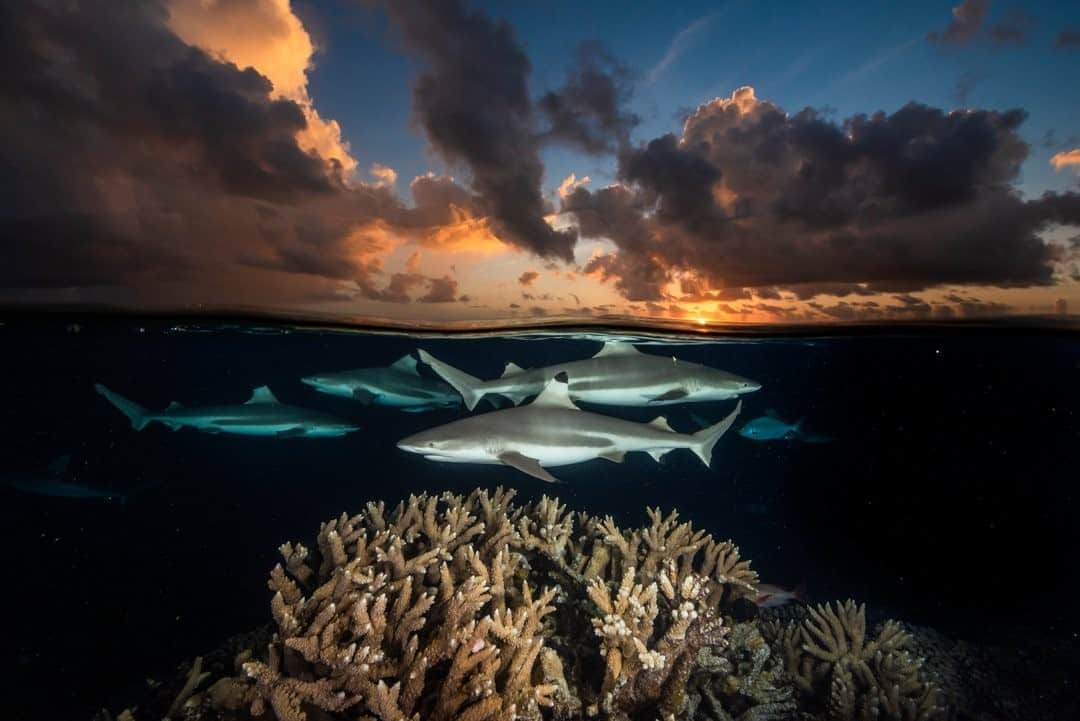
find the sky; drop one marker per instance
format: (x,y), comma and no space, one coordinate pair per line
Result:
(467,161)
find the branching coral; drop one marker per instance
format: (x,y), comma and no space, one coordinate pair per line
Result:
(445,609)
(829,657)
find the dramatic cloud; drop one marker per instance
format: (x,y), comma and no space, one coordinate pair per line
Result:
(749,196)
(1066,159)
(265,35)
(589,110)
(528,277)
(150,170)
(967,20)
(472,100)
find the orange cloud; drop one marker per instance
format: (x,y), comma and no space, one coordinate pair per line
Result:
(1066,158)
(570,184)
(383,174)
(528,277)
(268,36)
(465,233)
(412,265)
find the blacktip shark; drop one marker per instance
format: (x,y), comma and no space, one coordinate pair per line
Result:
(551,431)
(399,385)
(52,483)
(618,375)
(262,415)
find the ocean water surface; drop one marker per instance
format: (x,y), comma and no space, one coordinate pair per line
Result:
(929,473)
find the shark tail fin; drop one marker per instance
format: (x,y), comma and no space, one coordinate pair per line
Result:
(469,387)
(703,442)
(135,413)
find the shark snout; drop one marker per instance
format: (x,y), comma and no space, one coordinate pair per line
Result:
(313,381)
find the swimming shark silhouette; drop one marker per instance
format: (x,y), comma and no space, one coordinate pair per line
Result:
(52,483)
(262,415)
(399,385)
(619,374)
(552,431)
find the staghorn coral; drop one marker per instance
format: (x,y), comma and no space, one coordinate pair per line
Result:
(470,608)
(830,659)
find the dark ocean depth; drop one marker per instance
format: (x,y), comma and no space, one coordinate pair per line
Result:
(946,496)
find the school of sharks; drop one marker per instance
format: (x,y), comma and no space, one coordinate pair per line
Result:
(550,431)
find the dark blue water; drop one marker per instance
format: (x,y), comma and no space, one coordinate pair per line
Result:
(947,496)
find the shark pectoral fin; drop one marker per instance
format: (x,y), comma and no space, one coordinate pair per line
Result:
(672,395)
(364,396)
(291,433)
(614,456)
(178,426)
(531,466)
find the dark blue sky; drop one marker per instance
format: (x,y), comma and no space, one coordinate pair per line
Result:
(850,57)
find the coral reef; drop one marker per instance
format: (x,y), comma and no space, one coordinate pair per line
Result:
(474,608)
(471,608)
(830,658)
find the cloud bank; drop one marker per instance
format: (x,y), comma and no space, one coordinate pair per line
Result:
(748,196)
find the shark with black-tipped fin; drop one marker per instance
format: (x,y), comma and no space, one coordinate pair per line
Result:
(552,431)
(262,415)
(618,375)
(399,385)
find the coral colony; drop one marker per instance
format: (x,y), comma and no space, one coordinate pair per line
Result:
(472,608)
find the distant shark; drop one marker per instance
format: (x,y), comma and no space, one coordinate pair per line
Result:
(398,386)
(51,483)
(262,415)
(552,431)
(619,375)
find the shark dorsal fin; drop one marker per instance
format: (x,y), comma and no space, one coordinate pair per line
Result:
(59,465)
(661,423)
(613,347)
(512,369)
(405,364)
(173,406)
(556,394)
(262,394)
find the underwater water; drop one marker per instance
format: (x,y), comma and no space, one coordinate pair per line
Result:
(929,473)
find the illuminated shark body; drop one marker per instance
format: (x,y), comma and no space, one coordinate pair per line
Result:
(262,415)
(398,386)
(551,431)
(618,375)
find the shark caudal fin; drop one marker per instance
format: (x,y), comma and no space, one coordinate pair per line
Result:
(135,413)
(470,388)
(703,441)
